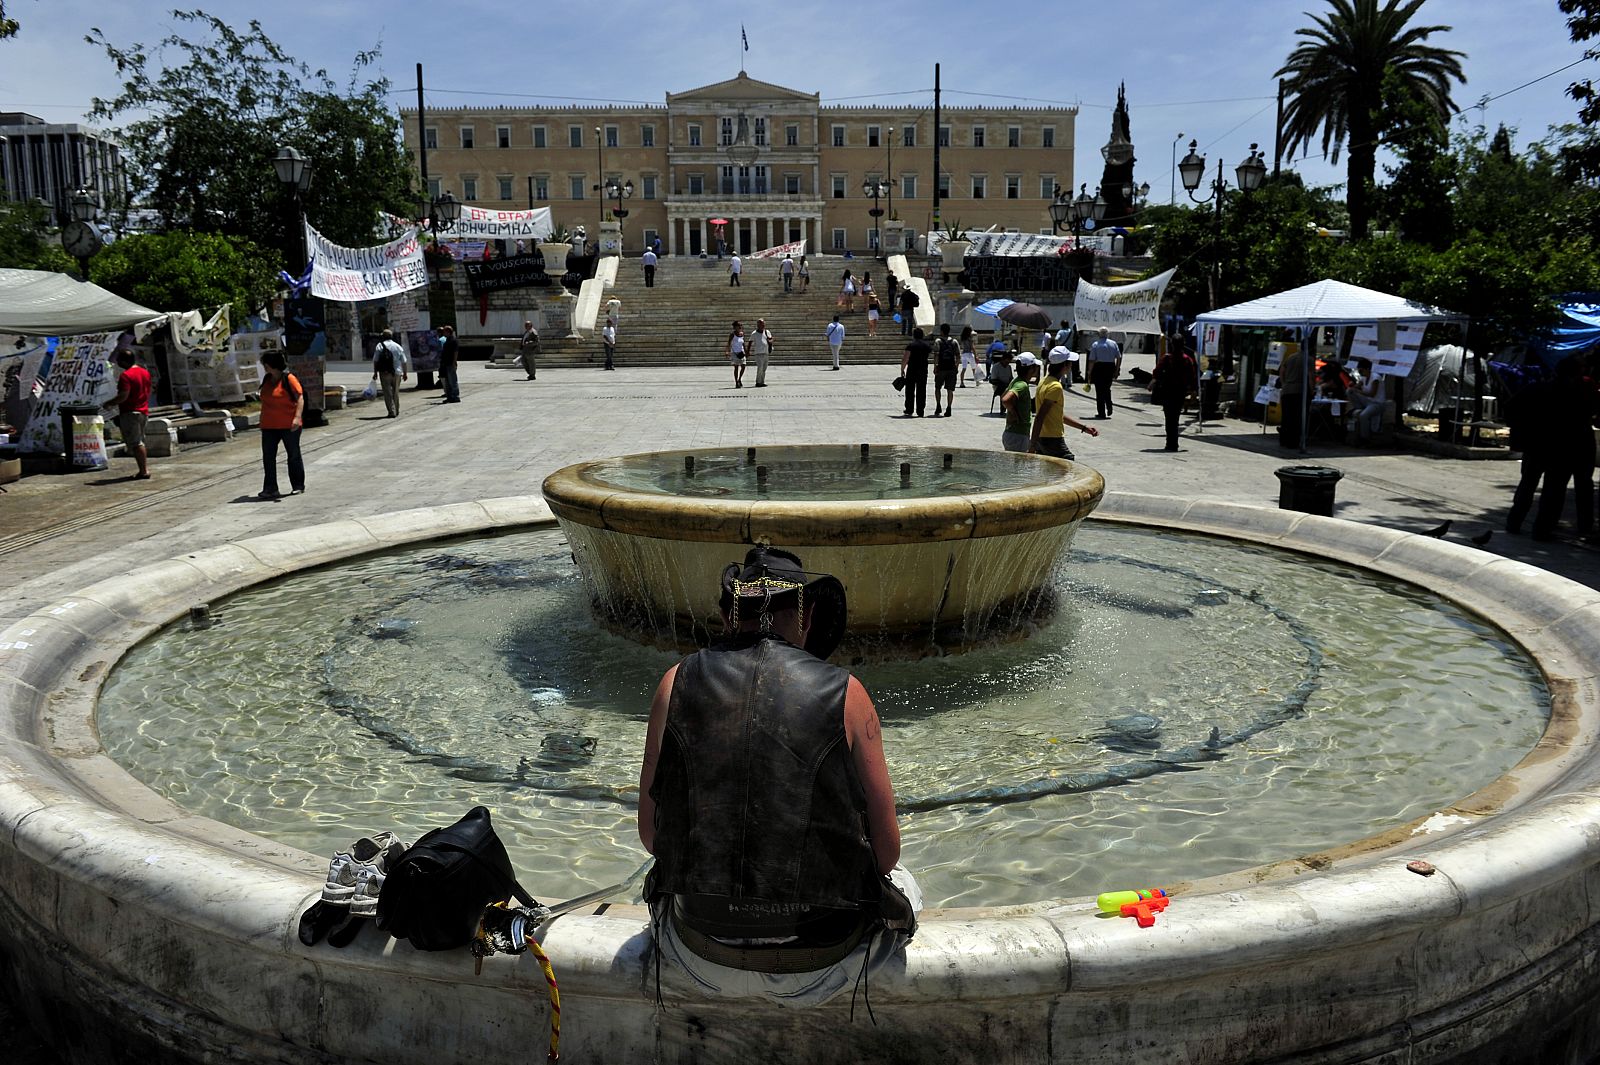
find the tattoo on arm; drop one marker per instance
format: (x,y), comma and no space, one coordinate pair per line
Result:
(872,727)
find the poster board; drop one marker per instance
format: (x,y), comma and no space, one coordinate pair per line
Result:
(1393,362)
(23,360)
(79,373)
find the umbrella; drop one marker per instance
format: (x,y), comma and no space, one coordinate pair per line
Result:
(719,221)
(993,307)
(1027,315)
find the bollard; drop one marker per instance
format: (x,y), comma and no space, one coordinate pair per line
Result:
(863,452)
(761,475)
(949,460)
(749,455)
(688,465)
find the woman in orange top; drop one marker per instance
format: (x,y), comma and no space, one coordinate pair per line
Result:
(283,403)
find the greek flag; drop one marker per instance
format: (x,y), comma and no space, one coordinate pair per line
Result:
(744,38)
(298,285)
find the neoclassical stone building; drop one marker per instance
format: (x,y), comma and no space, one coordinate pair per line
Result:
(775,163)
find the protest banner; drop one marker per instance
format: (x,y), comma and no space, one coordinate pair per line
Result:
(796,248)
(481,223)
(351,275)
(21,365)
(1134,308)
(516,271)
(80,373)
(1392,357)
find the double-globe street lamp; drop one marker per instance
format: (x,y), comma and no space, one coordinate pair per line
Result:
(1249,175)
(81,237)
(294,174)
(875,189)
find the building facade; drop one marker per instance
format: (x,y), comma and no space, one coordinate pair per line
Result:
(774,164)
(50,162)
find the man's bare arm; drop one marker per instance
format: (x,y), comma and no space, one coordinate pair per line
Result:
(652,754)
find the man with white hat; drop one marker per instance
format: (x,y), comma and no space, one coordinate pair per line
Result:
(1018,403)
(1050,417)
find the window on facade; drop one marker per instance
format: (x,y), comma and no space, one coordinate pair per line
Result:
(838,186)
(430,138)
(872,238)
(434,189)
(1047,137)
(978,186)
(466,136)
(575,187)
(502,136)
(838,136)
(944,186)
(727,132)
(977,136)
(539,138)
(541,188)
(650,236)
(908,137)
(694,135)
(649,183)
(697,184)
(647,136)
(505,188)
(761,131)
(838,240)
(1013,136)
(873,134)
(908,186)
(574,136)
(1013,186)
(469,188)
(761,180)
(944,136)
(1047,186)
(791,184)
(791,135)
(611,136)
(725,186)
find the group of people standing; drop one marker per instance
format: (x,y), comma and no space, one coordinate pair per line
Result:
(1552,423)
(756,345)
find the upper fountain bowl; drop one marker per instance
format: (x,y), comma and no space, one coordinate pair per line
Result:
(937,547)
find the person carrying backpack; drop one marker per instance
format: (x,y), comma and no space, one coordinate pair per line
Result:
(946,357)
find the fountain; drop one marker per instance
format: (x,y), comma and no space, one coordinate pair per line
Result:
(143,930)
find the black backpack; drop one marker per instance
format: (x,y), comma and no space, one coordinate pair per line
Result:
(436,893)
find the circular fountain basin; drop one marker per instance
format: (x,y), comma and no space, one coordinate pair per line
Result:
(141,932)
(941,545)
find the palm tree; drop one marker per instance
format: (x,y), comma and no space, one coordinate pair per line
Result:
(1346,74)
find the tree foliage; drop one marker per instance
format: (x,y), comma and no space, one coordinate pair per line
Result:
(8,25)
(1583,155)
(1346,76)
(24,240)
(216,109)
(179,271)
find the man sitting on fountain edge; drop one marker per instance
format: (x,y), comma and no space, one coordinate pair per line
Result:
(766,801)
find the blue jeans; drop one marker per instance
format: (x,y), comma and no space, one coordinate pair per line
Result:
(269,459)
(452,386)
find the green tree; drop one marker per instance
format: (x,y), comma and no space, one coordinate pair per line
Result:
(1345,78)
(215,114)
(180,271)
(8,25)
(1417,199)
(25,243)
(1583,154)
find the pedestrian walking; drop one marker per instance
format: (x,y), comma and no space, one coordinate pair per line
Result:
(1050,418)
(608,337)
(805,275)
(390,366)
(786,271)
(1018,403)
(969,355)
(735,268)
(736,354)
(909,301)
(847,292)
(835,335)
(760,348)
(874,309)
(283,408)
(1171,384)
(946,354)
(530,349)
(449,363)
(914,370)
(1552,424)
(649,260)
(1105,363)
(894,289)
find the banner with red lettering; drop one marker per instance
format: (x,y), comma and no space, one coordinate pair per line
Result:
(351,275)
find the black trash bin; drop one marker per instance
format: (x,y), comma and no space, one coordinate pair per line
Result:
(70,462)
(1307,488)
(1447,424)
(1210,394)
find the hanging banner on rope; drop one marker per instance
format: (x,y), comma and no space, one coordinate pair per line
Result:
(480,223)
(1134,308)
(778,251)
(351,275)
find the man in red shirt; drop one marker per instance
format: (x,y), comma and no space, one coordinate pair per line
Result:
(133,409)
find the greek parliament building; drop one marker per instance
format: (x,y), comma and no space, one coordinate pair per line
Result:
(773,162)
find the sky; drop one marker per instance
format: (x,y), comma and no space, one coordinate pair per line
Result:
(1200,69)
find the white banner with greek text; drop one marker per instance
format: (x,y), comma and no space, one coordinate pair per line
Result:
(778,251)
(480,223)
(351,275)
(1134,308)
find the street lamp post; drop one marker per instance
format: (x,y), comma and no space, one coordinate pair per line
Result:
(1080,214)
(875,189)
(1248,174)
(619,191)
(1172,193)
(294,174)
(81,237)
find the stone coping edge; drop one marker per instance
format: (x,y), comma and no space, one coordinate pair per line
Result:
(80,838)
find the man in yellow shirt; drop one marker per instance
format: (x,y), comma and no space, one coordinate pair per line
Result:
(1050,417)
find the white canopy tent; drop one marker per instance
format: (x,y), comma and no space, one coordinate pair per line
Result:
(1326,303)
(40,303)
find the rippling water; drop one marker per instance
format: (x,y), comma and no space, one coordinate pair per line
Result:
(1195,707)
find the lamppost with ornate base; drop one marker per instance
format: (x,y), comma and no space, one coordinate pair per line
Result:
(1249,175)
(875,189)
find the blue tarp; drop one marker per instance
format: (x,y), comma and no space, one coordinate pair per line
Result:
(1579,328)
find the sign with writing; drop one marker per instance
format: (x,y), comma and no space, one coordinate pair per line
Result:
(482,223)
(351,275)
(1134,308)
(1394,359)
(424,347)
(22,360)
(516,271)
(80,373)
(402,314)
(796,248)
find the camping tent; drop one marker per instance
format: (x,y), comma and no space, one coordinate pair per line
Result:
(39,303)
(1325,303)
